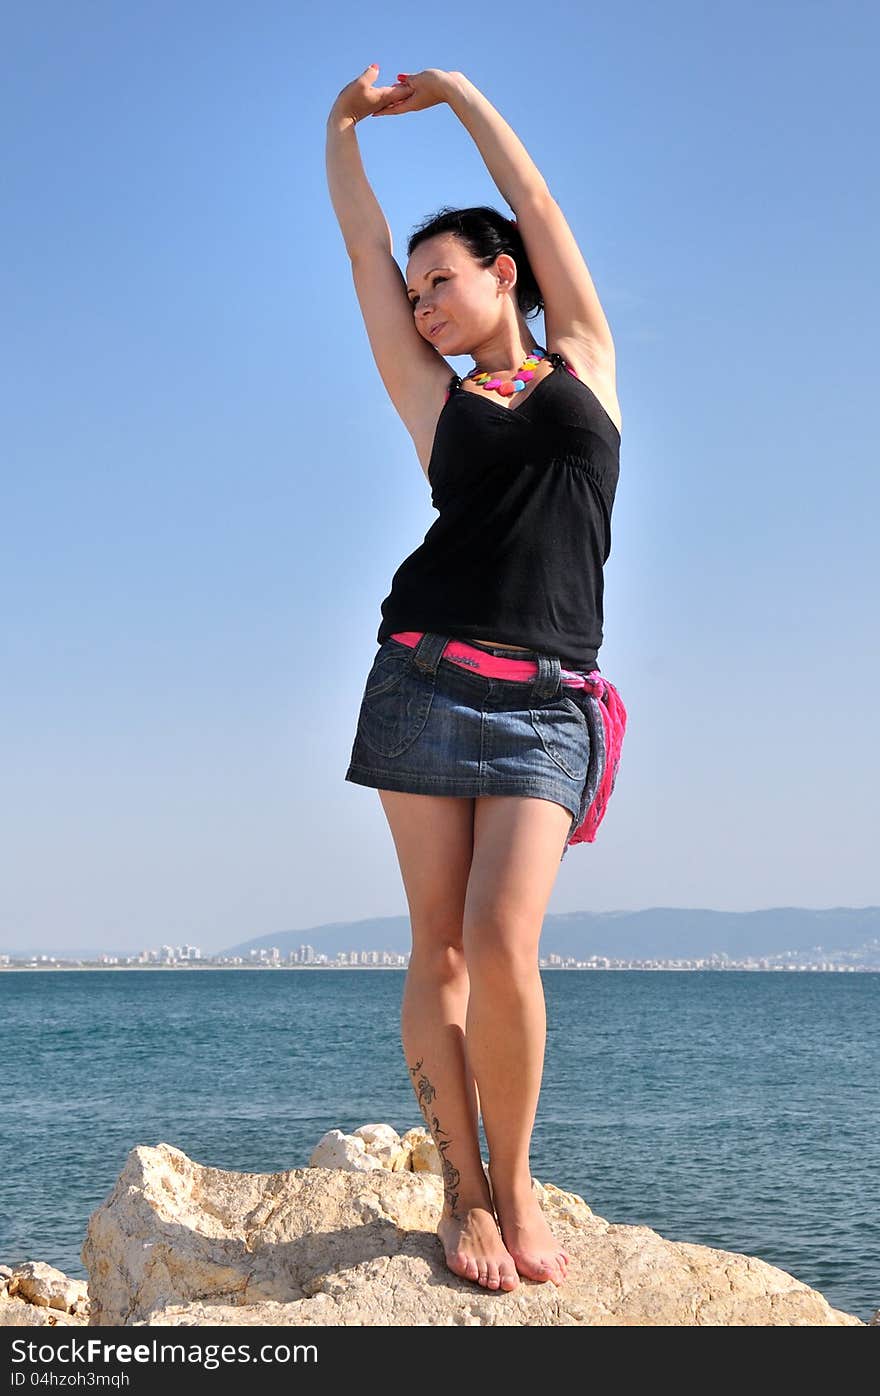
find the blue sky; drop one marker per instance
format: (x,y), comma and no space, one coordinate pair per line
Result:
(206,490)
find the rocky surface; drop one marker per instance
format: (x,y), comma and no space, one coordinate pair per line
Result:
(351,1240)
(36,1295)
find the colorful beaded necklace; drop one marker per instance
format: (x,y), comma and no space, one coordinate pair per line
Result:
(506,388)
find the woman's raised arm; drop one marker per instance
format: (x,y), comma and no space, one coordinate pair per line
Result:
(506,158)
(413,372)
(573,315)
(357,209)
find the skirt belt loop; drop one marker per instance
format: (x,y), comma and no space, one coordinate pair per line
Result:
(428,651)
(548,680)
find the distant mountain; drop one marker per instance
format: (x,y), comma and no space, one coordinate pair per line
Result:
(658,933)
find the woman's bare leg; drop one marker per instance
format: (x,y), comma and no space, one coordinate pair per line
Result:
(518,844)
(433,836)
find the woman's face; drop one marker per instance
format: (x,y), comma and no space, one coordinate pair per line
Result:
(453,295)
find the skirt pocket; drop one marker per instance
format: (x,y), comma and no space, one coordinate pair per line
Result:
(390,667)
(565,735)
(396,703)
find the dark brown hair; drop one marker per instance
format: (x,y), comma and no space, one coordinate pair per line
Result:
(485,232)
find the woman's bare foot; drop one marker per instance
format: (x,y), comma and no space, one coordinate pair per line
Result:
(536,1252)
(474,1248)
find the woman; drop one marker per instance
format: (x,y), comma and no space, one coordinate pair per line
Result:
(485,725)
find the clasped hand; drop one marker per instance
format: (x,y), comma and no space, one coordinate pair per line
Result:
(411,92)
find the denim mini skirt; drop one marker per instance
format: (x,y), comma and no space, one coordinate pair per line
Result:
(430,726)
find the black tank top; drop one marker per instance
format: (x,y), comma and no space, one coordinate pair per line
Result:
(524,496)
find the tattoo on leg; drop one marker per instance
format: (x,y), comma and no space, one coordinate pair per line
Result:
(451,1175)
(424,1090)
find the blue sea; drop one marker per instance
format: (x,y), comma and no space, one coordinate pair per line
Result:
(731,1109)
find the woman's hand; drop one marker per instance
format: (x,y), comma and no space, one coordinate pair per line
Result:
(360,98)
(428,88)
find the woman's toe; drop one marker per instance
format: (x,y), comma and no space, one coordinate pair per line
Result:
(534,1267)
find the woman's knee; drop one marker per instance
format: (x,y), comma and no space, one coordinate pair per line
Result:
(439,954)
(506,945)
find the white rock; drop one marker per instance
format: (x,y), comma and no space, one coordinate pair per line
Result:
(42,1285)
(384,1145)
(376,1135)
(337,1150)
(316,1247)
